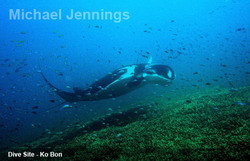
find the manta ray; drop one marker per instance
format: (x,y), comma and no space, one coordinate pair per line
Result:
(119,82)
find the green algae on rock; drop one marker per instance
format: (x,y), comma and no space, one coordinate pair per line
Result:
(207,127)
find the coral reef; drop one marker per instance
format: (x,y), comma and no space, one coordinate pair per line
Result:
(213,126)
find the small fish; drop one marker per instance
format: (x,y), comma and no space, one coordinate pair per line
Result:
(240,29)
(119,135)
(224,65)
(35,125)
(215,108)
(23,33)
(60,74)
(66,106)
(60,36)
(234,89)
(18,69)
(20,42)
(35,107)
(68,87)
(58,133)
(52,101)
(6,60)
(10,108)
(241,103)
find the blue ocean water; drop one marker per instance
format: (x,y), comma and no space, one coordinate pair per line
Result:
(206,42)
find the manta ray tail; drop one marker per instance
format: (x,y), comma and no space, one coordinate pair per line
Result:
(67,96)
